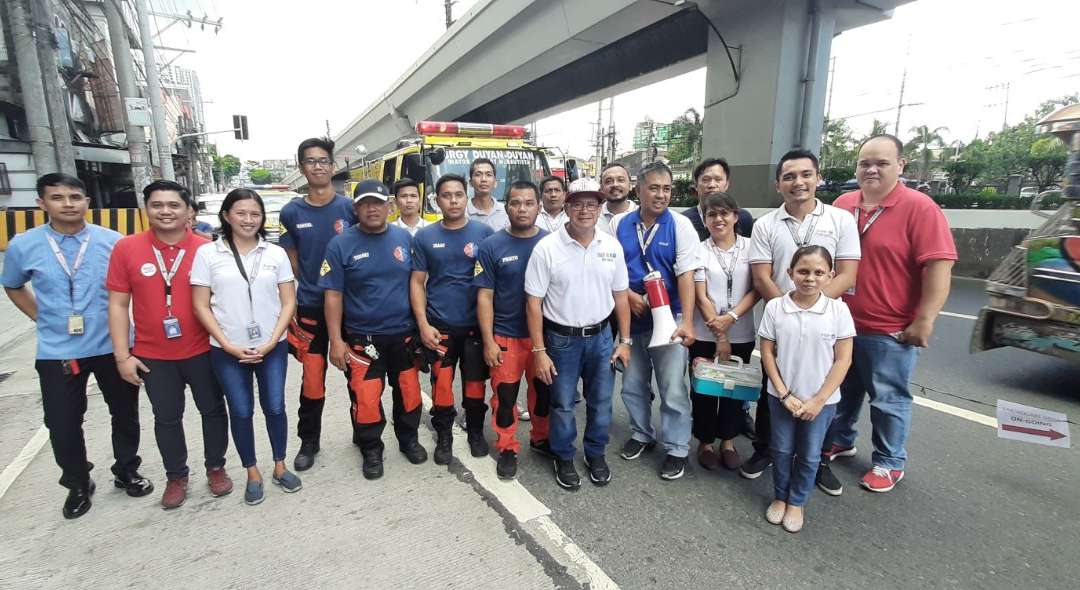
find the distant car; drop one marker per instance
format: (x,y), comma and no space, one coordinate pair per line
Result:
(851,185)
(209,205)
(273,201)
(1029,192)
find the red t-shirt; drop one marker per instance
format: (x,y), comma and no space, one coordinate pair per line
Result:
(133,269)
(910,231)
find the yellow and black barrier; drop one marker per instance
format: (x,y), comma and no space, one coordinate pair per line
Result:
(125,221)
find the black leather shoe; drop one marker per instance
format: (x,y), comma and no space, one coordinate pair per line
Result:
(134,484)
(444,447)
(414,452)
(506,467)
(478,447)
(78,501)
(373,463)
(305,457)
(566,475)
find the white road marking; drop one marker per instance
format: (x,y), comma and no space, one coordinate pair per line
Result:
(25,456)
(962,316)
(955,411)
(524,506)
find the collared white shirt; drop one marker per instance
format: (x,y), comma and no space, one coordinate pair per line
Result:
(716,262)
(496,219)
(603,223)
(772,240)
(576,282)
(412,229)
(550,223)
(804,342)
(267,266)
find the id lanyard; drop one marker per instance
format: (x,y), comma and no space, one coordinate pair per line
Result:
(870,221)
(168,276)
(70,271)
(249,281)
(805,241)
(645,238)
(729,270)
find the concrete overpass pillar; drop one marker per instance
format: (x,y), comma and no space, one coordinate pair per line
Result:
(778,103)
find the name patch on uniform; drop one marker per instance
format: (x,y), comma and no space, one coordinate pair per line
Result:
(438,245)
(606,256)
(508,259)
(361,256)
(305,225)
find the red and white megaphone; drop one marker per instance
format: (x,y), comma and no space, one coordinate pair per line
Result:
(660,304)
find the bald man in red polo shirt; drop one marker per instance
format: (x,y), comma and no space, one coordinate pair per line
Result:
(903,282)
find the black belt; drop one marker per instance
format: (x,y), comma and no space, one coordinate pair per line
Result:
(584,331)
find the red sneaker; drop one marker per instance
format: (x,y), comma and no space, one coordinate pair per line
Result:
(219,482)
(837,451)
(880,479)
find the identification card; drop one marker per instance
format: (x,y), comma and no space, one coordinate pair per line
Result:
(253,332)
(172,327)
(75,325)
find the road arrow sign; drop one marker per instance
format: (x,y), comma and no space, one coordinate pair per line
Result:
(1030,424)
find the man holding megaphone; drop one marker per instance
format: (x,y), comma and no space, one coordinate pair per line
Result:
(661,255)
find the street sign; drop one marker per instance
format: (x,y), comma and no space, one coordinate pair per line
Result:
(138,112)
(1029,424)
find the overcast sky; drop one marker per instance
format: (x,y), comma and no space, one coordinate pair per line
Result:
(292,66)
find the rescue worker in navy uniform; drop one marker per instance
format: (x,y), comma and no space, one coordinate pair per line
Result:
(366,270)
(307,225)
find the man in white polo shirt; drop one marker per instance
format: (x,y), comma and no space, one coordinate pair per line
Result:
(615,185)
(801,221)
(483,207)
(575,277)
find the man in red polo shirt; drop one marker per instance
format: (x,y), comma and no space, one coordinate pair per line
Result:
(149,271)
(903,282)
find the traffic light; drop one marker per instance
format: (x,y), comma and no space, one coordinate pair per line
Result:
(240,126)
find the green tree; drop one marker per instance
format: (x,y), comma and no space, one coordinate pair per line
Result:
(261,176)
(685,137)
(921,146)
(962,173)
(1046,161)
(878,128)
(225,167)
(837,145)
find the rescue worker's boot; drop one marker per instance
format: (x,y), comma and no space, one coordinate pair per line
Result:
(305,457)
(444,447)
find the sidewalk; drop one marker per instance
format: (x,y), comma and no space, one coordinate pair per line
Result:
(420,526)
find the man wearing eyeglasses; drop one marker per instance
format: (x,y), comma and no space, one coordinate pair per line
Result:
(574,279)
(307,225)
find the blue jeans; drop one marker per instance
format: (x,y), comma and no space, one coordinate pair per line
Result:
(669,363)
(880,367)
(589,359)
(236,380)
(796,451)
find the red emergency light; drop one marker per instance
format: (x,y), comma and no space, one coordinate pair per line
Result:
(470,129)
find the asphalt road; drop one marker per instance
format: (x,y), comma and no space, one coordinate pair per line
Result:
(973,511)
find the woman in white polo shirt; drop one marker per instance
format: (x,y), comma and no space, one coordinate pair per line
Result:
(243,293)
(806,340)
(725,326)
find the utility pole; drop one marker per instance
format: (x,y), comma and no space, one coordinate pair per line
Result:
(125,79)
(599,134)
(1005,117)
(448,5)
(153,88)
(611,129)
(54,93)
(903,83)
(832,82)
(33,96)
(328,129)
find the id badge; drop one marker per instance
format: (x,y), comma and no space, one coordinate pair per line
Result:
(172,327)
(253,332)
(75,325)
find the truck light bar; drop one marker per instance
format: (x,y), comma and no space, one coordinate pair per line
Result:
(470,129)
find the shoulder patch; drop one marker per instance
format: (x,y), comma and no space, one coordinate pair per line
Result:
(324,269)
(478,269)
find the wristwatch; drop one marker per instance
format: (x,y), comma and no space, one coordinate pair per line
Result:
(626,341)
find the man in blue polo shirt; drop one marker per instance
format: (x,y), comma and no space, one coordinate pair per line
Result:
(366,270)
(307,225)
(66,262)
(444,303)
(655,240)
(500,309)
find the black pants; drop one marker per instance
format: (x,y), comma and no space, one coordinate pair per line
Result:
(762,422)
(459,346)
(63,398)
(366,378)
(165,386)
(716,417)
(312,351)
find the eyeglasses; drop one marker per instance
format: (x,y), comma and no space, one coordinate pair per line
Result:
(312,162)
(584,206)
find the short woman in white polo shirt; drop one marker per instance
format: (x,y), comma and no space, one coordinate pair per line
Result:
(806,340)
(243,293)
(725,325)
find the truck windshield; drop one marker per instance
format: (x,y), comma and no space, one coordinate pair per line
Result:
(510,165)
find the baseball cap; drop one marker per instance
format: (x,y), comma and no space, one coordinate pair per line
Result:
(371,188)
(584,187)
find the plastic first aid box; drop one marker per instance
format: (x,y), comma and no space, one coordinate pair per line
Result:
(733,379)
